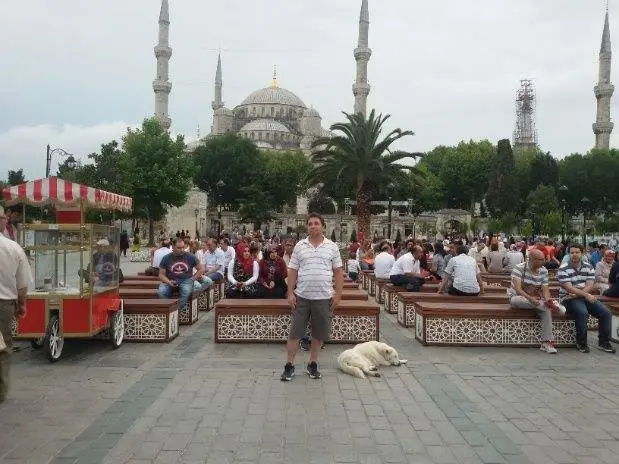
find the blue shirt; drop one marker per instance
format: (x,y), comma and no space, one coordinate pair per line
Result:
(179,267)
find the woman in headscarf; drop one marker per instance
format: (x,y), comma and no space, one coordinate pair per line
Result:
(243,273)
(272,275)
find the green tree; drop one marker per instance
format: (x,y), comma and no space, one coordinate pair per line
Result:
(526,229)
(542,200)
(550,224)
(544,171)
(16,177)
(353,235)
(358,159)
(159,171)
(502,195)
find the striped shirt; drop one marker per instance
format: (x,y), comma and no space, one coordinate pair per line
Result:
(531,283)
(315,268)
(578,277)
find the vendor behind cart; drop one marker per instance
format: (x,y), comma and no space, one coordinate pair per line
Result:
(176,273)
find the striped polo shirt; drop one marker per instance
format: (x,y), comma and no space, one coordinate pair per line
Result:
(531,283)
(578,277)
(315,268)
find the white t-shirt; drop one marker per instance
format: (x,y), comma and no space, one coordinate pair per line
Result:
(159,254)
(353,266)
(314,267)
(405,264)
(382,265)
(463,269)
(209,260)
(229,255)
(15,269)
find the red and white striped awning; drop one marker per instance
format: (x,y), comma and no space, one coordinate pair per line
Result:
(56,191)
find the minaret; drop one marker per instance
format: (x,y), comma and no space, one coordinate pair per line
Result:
(217,103)
(163,52)
(361,88)
(603,126)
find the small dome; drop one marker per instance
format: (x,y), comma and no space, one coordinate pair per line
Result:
(263,144)
(223,111)
(273,95)
(311,113)
(264,125)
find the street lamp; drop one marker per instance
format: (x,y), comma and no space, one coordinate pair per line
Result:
(196,212)
(71,163)
(390,188)
(220,185)
(585,206)
(562,194)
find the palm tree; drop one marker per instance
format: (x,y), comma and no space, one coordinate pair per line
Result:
(357,160)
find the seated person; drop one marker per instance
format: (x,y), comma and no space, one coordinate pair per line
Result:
(157,256)
(613,281)
(406,271)
(353,267)
(464,273)
(176,273)
(577,280)
(602,270)
(105,266)
(384,261)
(529,290)
(243,272)
(496,260)
(272,275)
(368,261)
(213,259)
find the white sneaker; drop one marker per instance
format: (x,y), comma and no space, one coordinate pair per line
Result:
(548,347)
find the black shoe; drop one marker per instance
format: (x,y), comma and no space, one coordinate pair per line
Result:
(607,347)
(288,373)
(305,344)
(582,348)
(312,370)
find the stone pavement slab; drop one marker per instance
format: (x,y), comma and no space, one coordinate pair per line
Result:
(192,401)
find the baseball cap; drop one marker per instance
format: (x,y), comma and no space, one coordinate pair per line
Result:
(103,242)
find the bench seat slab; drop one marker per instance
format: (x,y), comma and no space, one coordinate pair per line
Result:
(151,320)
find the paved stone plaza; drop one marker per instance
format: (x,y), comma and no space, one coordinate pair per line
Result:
(194,402)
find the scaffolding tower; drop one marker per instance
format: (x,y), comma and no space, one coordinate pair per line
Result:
(525,134)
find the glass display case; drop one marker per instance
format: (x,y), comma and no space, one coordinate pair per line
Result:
(72,259)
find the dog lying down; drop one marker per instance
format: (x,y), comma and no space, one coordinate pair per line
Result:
(365,358)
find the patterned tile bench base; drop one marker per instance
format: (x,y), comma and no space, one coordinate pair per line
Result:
(264,321)
(151,320)
(613,305)
(187,315)
(365,279)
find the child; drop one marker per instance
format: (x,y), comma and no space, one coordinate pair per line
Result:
(353,267)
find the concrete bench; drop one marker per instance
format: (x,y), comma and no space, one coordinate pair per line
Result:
(206,300)
(187,315)
(484,324)
(263,321)
(613,305)
(364,277)
(151,320)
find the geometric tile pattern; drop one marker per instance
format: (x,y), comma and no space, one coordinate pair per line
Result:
(389,298)
(489,331)
(380,293)
(372,285)
(151,327)
(189,313)
(275,328)
(203,300)
(406,313)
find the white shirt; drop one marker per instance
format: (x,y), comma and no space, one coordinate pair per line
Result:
(210,260)
(15,269)
(479,255)
(463,269)
(353,266)
(315,267)
(404,265)
(229,255)
(514,258)
(253,278)
(382,265)
(159,254)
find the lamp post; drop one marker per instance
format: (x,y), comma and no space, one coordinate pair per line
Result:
(71,163)
(585,206)
(390,188)
(196,212)
(562,194)
(220,185)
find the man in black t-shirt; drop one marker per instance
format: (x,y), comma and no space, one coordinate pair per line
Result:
(176,272)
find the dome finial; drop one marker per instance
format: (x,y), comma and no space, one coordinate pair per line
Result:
(274,81)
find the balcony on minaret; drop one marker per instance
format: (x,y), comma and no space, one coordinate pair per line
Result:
(603,127)
(360,89)
(363,54)
(603,90)
(162,86)
(163,51)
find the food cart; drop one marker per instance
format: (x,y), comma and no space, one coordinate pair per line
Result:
(76,266)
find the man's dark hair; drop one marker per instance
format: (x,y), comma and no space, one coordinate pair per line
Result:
(179,241)
(317,216)
(577,245)
(462,250)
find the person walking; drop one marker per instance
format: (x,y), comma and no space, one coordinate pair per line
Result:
(315,261)
(15,277)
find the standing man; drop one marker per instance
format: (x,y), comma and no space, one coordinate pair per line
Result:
(577,280)
(314,262)
(15,277)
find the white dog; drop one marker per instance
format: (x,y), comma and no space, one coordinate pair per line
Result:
(365,358)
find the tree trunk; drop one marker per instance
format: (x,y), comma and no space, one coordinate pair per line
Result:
(151,232)
(257,226)
(364,213)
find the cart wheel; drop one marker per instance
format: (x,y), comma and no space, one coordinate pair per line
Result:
(54,340)
(117,328)
(37,343)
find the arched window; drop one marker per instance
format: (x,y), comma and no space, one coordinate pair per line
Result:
(259,135)
(253,135)
(272,111)
(263,111)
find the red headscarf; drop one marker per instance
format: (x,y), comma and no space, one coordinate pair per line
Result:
(246,264)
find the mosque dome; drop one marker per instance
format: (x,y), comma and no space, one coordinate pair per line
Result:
(270,125)
(311,113)
(273,95)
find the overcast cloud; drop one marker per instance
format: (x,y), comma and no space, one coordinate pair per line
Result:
(76,73)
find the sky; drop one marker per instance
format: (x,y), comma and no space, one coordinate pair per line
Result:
(78,73)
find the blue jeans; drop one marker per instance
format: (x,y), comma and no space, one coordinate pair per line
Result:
(579,309)
(185,289)
(215,276)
